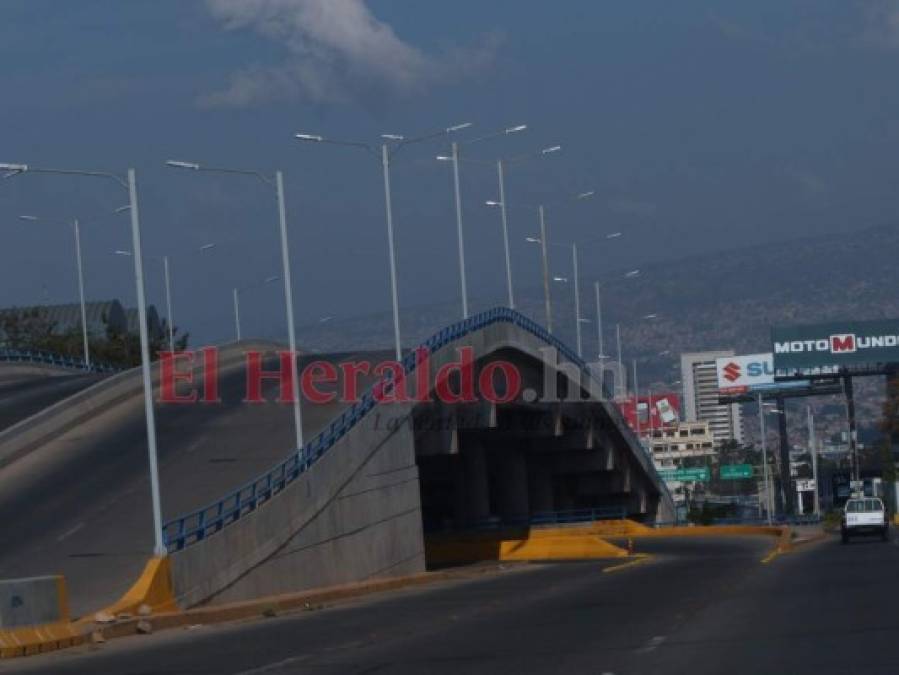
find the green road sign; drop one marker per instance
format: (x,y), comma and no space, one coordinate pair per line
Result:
(732,471)
(700,473)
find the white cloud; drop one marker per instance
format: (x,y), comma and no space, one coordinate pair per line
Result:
(336,50)
(882,23)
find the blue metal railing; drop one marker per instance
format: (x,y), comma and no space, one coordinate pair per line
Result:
(50,358)
(197,525)
(781,519)
(543,518)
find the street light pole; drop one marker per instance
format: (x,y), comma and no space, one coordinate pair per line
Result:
(149,413)
(458,198)
(577,302)
(598,320)
(764,444)
(168,303)
(455,158)
(76,230)
(621,375)
(502,205)
(291,330)
(87,355)
(546,297)
(388,205)
(237,313)
(278,185)
(636,401)
(130,185)
(601,355)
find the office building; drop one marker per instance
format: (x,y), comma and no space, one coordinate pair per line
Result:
(700,403)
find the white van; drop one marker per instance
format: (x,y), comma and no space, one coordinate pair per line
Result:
(864,515)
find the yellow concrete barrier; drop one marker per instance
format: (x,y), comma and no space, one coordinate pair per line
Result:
(27,640)
(153,588)
(556,543)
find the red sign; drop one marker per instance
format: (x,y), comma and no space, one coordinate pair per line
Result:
(657,412)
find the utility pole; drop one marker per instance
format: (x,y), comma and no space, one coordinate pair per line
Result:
(813,449)
(764,444)
(853,432)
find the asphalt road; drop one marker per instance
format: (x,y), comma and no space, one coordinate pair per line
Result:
(700,606)
(80,505)
(22,397)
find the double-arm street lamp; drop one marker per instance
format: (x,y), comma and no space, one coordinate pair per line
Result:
(457,192)
(542,240)
(276,182)
(129,183)
(167,278)
(390,146)
(503,206)
(575,270)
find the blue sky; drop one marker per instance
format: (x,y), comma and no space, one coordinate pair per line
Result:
(702,126)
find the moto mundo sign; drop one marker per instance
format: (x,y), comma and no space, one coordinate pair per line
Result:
(828,347)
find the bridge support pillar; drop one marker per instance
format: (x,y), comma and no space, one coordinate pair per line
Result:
(513,485)
(541,488)
(477,485)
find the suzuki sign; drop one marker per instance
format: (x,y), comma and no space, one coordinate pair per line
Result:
(748,373)
(825,348)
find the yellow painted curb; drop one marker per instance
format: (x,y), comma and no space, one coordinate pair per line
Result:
(712,530)
(30,640)
(303,600)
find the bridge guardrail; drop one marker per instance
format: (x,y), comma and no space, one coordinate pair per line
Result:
(542,518)
(39,356)
(197,525)
(775,520)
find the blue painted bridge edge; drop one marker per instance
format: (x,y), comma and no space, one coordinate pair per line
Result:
(195,526)
(38,356)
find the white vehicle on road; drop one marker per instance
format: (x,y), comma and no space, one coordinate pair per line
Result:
(864,515)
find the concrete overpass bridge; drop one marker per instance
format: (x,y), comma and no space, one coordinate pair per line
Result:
(354,505)
(31,381)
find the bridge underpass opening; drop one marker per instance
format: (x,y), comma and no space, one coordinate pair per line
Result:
(508,467)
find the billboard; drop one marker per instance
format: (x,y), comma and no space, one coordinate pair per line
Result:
(654,412)
(825,348)
(749,373)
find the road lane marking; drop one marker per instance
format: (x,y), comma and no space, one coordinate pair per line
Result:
(653,644)
(196,444)
(268,668)
(69,533)
(638,559)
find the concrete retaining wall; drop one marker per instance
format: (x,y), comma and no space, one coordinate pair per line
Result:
(355,515)
(33,601)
